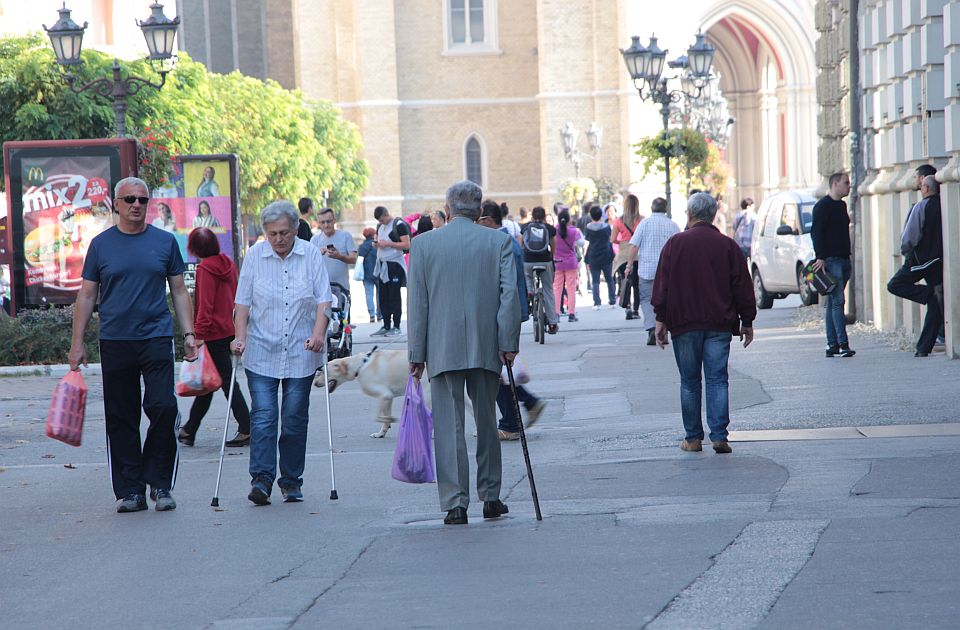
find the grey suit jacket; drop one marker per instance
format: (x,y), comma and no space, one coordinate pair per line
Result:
(463,306)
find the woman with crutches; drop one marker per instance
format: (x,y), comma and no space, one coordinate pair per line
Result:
(281,324)
(216,286)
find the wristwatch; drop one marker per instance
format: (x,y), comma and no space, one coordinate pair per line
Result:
(189,334)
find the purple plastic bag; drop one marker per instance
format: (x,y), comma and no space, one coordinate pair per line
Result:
(413,457)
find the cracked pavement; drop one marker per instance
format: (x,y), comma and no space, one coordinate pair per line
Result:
(781,534)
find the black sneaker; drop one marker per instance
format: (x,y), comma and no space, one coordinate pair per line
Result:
(845,351)
(132,503)
(291,495)
(832,351)
(259,493)
(164,501)
(572,318)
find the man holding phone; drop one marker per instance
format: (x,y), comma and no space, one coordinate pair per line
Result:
(338,249)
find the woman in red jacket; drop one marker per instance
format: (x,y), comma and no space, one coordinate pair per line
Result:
(213,298)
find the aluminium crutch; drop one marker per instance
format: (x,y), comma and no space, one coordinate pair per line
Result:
(235,361)
(523,441)
(326,390)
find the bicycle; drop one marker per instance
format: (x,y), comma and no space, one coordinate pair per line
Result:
(538,307)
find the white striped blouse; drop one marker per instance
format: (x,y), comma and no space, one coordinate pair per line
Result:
(283,295)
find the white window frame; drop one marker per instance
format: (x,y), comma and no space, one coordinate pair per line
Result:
(490,44)
(483,158)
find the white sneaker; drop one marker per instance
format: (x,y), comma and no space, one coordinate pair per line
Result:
(596,308)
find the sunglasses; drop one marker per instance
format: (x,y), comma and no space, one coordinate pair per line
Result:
(132,198)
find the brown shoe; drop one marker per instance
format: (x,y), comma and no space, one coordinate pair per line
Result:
(240,439)
(508,436)
(722,446)
(694,446)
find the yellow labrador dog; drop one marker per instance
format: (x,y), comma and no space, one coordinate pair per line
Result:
(381,374)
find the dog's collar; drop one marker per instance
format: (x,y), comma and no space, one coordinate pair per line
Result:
(366,359)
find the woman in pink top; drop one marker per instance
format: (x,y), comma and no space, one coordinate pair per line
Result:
(623,229)
(565,263)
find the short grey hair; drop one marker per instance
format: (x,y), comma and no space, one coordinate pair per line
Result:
(279,210)
(129,181)
(702,207)
(463,199)
(930,181)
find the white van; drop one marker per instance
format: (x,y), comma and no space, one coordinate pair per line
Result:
(781,247)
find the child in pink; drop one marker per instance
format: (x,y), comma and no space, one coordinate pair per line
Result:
(565,263)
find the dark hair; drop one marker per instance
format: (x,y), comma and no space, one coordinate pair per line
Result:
(202,204)
(305,204)
(659,205)
(563,220)
(524,213)
(379,211)
(539,214)
(504,210)
(596,213)
(203,243)
(746,203)
(424,224)
(490,208)
(925,170)
(836,177)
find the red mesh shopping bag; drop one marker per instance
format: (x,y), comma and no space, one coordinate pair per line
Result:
(198,377)
(67,409)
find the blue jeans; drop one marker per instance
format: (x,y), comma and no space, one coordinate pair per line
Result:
(369,291)
(508,413)
(607,271)
(706,351)
(294,411)
(836,320)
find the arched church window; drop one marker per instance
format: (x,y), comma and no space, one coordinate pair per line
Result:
(473,161)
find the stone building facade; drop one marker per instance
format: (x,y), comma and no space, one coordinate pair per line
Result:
(890,101)
(443,89)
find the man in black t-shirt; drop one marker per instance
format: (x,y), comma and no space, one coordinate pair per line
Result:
(306,208)
(831,243)
(538,240)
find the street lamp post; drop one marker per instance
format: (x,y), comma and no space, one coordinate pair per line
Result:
(66,37)
(645,65)
(570,134)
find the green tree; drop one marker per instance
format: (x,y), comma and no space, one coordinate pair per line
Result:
(287,146)
(686,149)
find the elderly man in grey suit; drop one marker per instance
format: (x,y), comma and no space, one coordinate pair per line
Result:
(464,324)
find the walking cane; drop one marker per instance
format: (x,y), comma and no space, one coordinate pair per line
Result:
(235,360)
(326,389)
(523,442)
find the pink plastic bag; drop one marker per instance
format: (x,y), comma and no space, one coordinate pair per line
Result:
(413,457)
(198,377)
(67,409)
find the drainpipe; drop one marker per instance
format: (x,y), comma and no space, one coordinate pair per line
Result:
(857,173)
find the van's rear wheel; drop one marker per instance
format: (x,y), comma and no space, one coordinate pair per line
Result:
(808,296)
(764,299)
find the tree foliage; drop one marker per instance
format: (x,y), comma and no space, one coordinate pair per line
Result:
(575,191)
(686,148)
(287,145)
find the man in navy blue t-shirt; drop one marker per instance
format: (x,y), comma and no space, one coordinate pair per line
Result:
(128,266)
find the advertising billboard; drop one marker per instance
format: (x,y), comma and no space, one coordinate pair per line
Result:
(60,197)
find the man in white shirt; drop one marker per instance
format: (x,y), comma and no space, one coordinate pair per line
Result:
(649,238)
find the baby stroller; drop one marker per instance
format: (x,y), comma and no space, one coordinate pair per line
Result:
(339,335)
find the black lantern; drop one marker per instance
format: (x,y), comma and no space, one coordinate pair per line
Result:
(700,57)
(66,36)
(160,32)
(637,59)
(657,59)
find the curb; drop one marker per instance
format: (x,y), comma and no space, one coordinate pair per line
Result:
(46,370)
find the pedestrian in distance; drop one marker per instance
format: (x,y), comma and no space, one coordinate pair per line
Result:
(213,297)
(702,296)
(830,234)
(600,256)
(645,246)
(464,326)
(743,225)
(538,240)
(338,250)
(392,242)
(368,253)
(281,323)
(491,217)
(438,218)
(566,263)
(624,228)
(304,231)
(921,245)
(136,342)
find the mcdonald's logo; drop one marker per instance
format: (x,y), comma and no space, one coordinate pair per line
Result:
(35,176)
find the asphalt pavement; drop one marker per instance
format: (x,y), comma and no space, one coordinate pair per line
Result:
(838,508)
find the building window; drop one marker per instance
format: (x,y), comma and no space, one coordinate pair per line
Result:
(473,161)
(470,26)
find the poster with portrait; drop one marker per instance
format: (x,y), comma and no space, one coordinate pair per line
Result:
(66,202)
(214,213)
(207,178)
(210,191)
(168,213)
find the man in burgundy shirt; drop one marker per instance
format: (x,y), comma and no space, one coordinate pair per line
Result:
(703,296)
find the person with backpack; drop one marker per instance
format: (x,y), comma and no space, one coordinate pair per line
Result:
(599,256)
(538,239)
(566,262)
(392,242)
